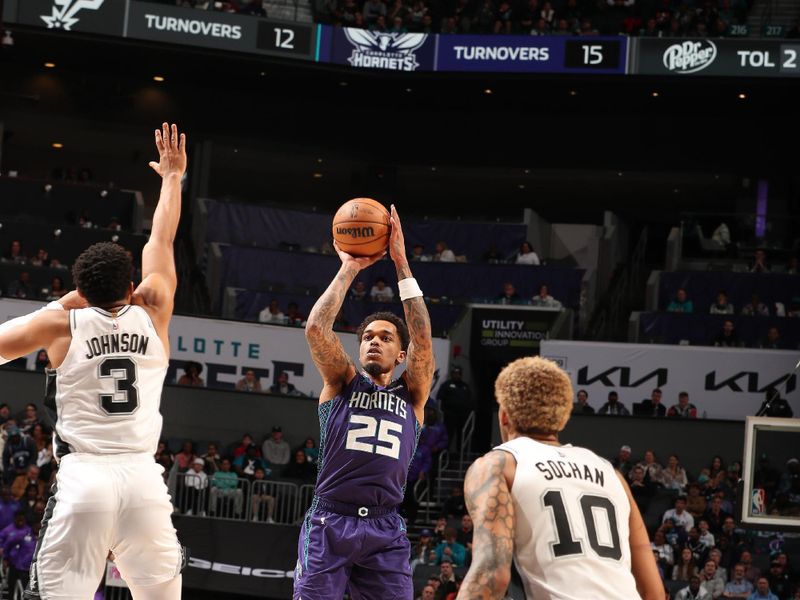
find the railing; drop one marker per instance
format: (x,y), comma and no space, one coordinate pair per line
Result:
(422,497)
(305,496)
(444,462)
(467,432)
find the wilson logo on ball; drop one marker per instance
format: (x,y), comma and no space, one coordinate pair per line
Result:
(356,232)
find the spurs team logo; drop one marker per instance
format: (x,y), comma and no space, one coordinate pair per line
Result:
(690,57)
(376,50)
(64,12)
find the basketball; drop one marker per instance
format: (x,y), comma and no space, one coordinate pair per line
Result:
(361,227)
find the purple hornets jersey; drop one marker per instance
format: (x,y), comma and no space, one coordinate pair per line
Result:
(368,435)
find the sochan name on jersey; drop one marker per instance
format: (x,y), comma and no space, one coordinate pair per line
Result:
(207,565)
(193,27)
(689,56)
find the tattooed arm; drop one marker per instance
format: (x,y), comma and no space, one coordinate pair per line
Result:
(419,362)
(488,499)
(333,363)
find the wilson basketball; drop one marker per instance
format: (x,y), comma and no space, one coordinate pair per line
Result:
(361,227)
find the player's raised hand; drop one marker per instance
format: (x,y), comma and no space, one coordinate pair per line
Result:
(360,262)
(397,243)
(171,151)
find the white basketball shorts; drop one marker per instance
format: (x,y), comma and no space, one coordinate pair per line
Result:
(105,503)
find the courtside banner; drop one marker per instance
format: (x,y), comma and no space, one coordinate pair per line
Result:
(363,49)
(503,334)
(708,57)
(233,557)
(226,349)
(531,54)
(723,383)
(106,17)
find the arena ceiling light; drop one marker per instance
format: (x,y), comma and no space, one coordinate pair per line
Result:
(50,65)
(742,96)
(488,91)
(57,145)
(158,78)
(573,92)
(655,94)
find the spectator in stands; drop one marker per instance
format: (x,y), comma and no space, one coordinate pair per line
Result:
(456,401)
(759,264)
(19,555)
(5,413)
(56,289)
(756,308)
(652,406)
(275,449)
(283,387)
(698,548)
(751,572)
(722,234)
(673,477)
(715,554)
(454,506)
(509,295)
(311,450)
(779,581)
(492,254)
(212,459)
(464,534)
(447,579)
(715,515)
(421,551)
(622,461)
(372,9)
(246,464)
(694,591)
(763,591)
(544,299)
(253,8)
(381,292)
(451,549)
(18,529)
(41,259)
(791,266)
(613,406)
(114,224)
(433,437)
(21,287)
(665,556)
(727,338)
(722,306)
(526,255)
(705,536)
(775,406)
(794,308)
(418,254)
(428,593)
(294,316)
(14,253)
(249,383)
(272,314)
(359,291)
(19,453)
(709,580)
(225,487)
(300,468)
(247,440)
(773,340)
(681,304)
(28,418)
(185,457)
(738,586)
(642,489)
(683,409)
(443,253)
(581,405)
(260,498)
(29,478)
(679,514)
(8,507)
(652,468)
(685,567)
(695,501)
(196,483)
(191,374)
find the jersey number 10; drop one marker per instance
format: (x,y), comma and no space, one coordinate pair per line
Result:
(566,545)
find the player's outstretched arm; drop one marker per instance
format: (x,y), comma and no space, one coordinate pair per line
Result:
(490,505)
(643,565)
(159,280)
(420,363)
(332,362)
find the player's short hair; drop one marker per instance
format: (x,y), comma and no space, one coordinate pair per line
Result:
(402,328)
(536,394)
(102,273)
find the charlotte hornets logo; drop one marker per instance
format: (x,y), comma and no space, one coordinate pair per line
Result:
(64,12)
(376,50)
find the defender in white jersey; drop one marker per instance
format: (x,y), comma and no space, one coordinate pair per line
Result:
(109,351)
(562,514)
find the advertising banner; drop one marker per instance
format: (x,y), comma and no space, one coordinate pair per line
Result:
(233,557)
(502,334)
(706,57)
(531,54)
(723,383)
(226,349)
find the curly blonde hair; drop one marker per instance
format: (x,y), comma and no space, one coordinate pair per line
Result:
(536,394)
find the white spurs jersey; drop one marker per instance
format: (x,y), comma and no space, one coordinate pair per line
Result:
(108,389)
(572,536)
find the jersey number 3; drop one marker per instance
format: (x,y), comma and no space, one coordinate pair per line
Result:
(125,399)
(590,503)
(386,429)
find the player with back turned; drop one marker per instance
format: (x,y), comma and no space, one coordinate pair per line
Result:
(561,513)
(108,345)
(353,537)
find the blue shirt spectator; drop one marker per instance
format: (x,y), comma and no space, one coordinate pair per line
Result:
(451,549)
(762,591)
(681,304)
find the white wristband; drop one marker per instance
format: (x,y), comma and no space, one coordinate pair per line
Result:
(409,288)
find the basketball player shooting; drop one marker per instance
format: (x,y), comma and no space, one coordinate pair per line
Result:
(352,536)
(562,513)
(109,347)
